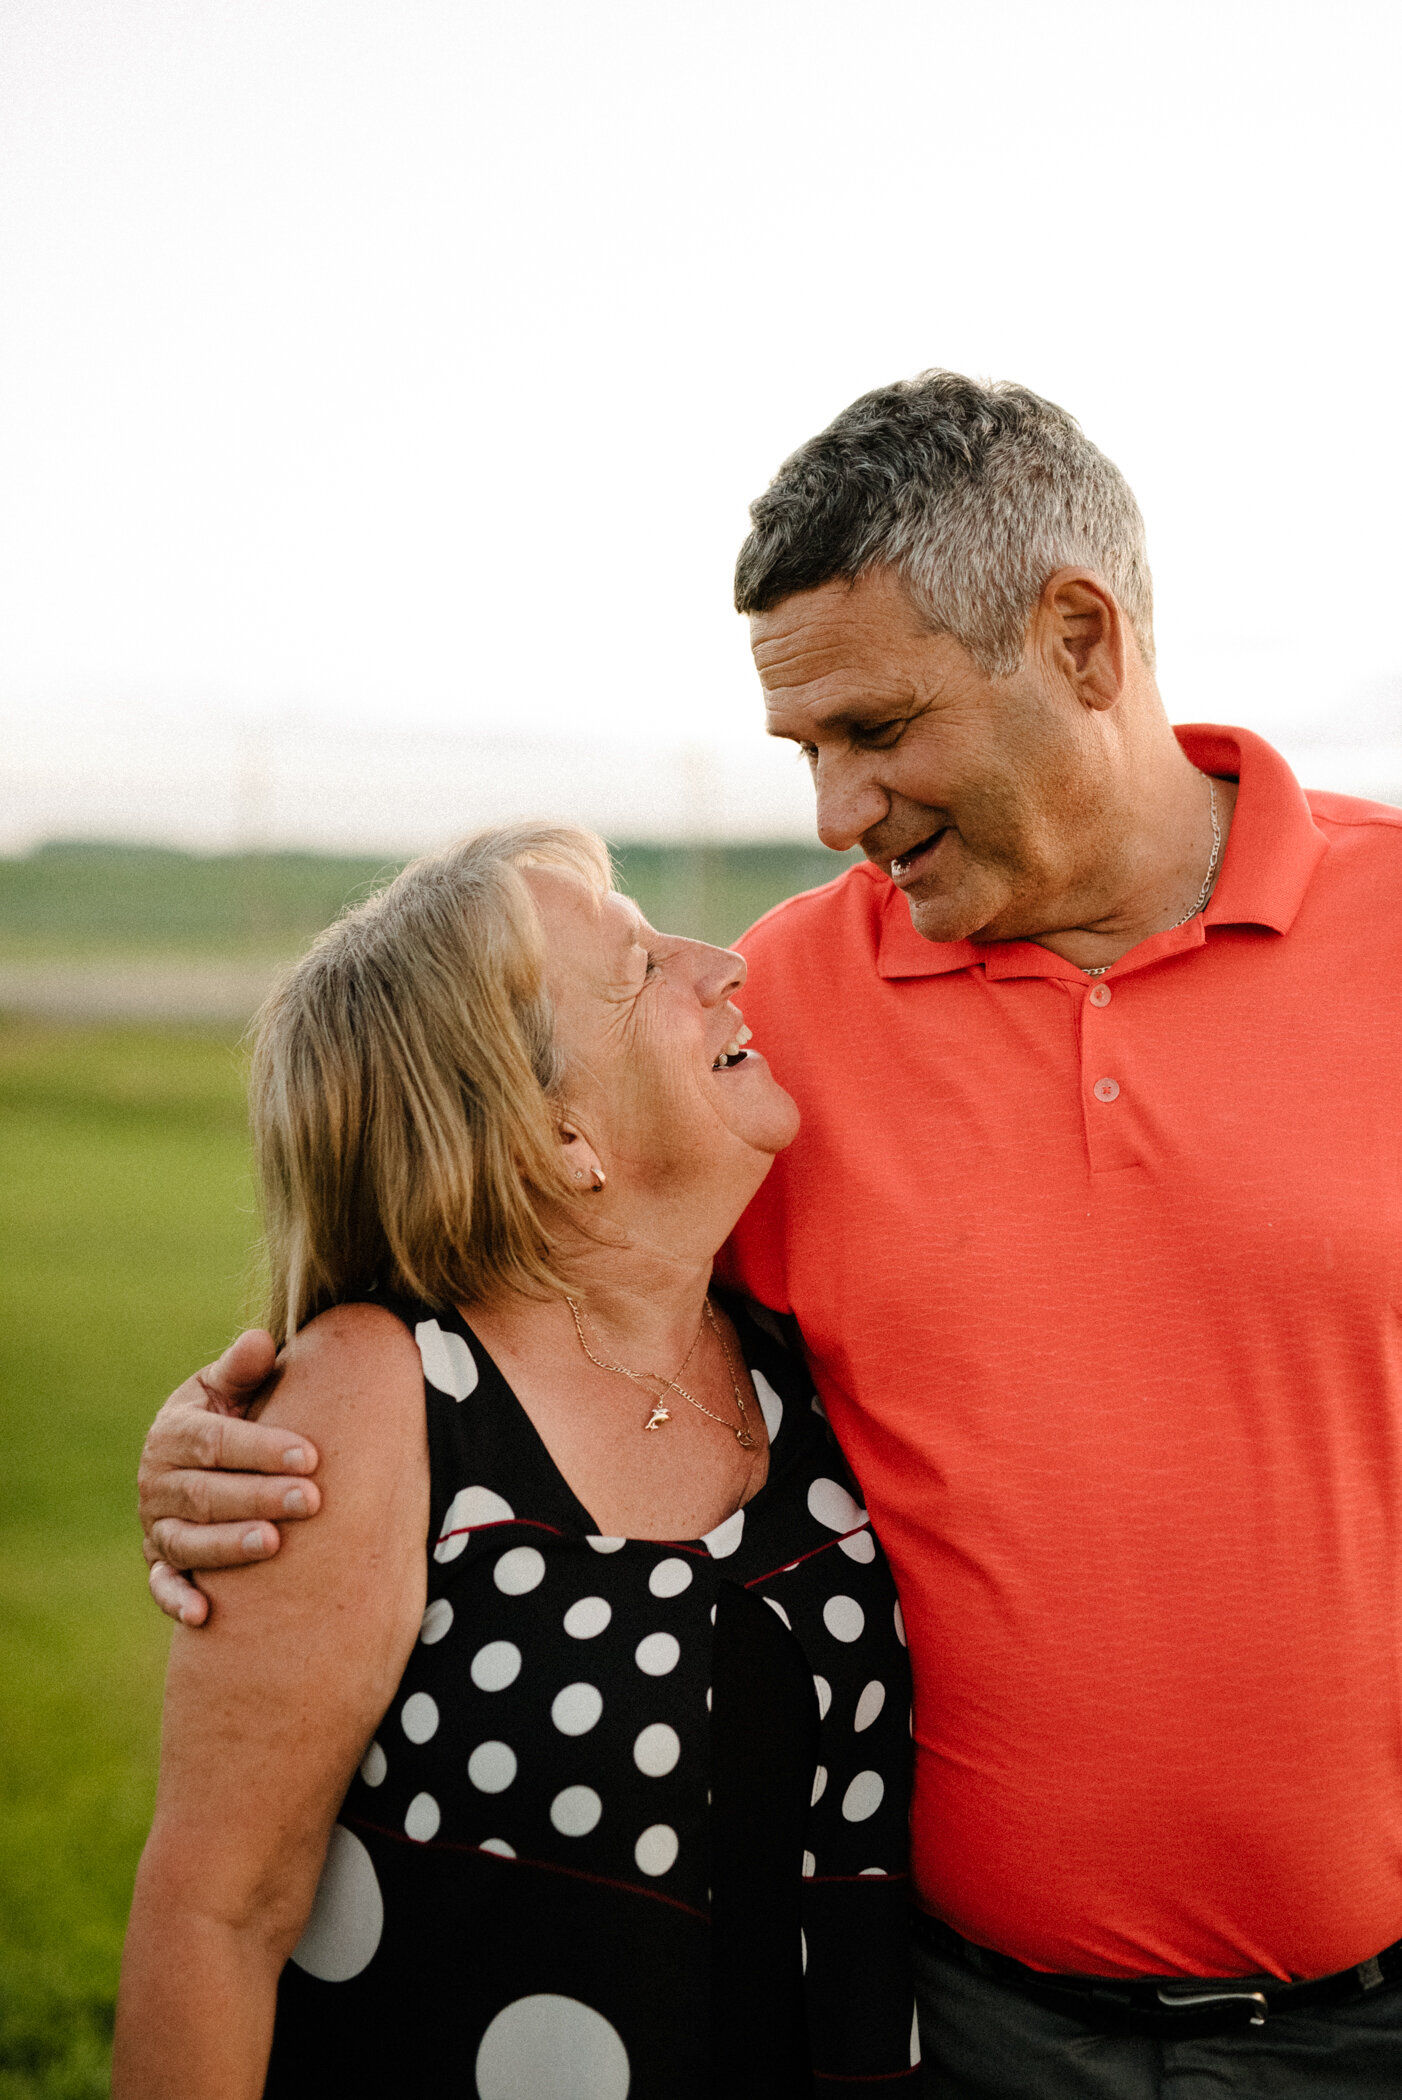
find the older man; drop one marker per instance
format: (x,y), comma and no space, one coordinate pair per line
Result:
(1094,1235)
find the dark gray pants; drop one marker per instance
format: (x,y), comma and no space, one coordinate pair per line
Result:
(981,2039)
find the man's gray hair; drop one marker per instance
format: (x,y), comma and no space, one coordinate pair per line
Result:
(973,493)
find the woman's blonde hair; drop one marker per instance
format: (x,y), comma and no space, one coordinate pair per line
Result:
(403,1087)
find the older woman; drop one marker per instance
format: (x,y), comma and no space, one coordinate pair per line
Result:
(565,1755)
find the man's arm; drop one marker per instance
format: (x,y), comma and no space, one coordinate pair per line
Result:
(213,1487)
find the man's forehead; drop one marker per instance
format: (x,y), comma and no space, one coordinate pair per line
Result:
(841,630)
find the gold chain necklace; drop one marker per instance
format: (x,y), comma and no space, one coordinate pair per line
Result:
(661,1414)
(1208,880)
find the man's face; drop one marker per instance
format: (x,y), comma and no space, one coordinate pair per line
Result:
(973,793)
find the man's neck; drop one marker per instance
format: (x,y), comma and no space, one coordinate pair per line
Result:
(1176,825)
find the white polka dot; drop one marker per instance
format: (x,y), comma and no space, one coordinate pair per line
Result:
(492,1767)
(449,1364)
(810,1866)
(550,2048)
(656,1849)
(803,1949)
(470,1506)
(844,1618)
(869,1705)
(575,1812)
(576,1709)
(859,1546)
(863,1797)
(900,1623)
(770,1405)
(824,1691)
(419,1717)
(669,1578)
(590,1616)
(348,1916)
(604,1545)
(818,1408)
(914,2039)
(657,1654)
(872,1874)
(421,1818)
(496,1666)
(722,1542)
(435,1621)
(830,1505)
(522,1569)
(708,1698)
(777,1607)
(499,1846)
(820,1781)
(656,1750)
(374,1766)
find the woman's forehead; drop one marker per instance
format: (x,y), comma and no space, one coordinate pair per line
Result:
(606,924)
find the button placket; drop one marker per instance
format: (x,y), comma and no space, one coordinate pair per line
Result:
(1109,1136)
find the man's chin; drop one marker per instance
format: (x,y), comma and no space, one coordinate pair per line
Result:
(945,919)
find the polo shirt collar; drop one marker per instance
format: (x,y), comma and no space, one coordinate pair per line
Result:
(1272,853)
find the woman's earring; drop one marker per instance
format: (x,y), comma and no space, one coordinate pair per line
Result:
(597,1180)
(579,1173)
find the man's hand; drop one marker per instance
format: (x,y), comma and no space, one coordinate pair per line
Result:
(213,1487)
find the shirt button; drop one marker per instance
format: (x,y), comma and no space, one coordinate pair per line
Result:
(1101,996)
(1106,1090)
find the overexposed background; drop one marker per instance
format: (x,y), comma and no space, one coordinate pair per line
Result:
(383,382)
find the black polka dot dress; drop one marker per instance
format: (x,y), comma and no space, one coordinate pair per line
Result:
(634,1824)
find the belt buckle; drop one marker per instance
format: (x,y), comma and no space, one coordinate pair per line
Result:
(1175,1997)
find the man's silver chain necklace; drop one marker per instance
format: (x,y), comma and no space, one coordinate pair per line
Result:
(1208,880)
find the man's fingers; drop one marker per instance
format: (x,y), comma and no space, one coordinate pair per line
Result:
(177,1598)
(229,1498)
(212,1545)
(196,1439)
(246,1364)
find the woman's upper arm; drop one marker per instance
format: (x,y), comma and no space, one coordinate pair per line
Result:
(269,1707)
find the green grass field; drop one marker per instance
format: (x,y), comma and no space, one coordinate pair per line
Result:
(125,1235)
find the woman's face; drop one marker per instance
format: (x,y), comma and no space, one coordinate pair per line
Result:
(648,1027)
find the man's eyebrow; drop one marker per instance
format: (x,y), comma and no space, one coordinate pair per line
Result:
(847,714)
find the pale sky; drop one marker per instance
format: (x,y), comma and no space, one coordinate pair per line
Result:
(381,376)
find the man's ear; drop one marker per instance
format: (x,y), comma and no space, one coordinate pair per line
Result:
(582,1162)
(1082,635)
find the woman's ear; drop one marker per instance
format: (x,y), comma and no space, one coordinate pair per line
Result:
(582,1162)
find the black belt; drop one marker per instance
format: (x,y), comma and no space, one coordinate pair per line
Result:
(1169,2005)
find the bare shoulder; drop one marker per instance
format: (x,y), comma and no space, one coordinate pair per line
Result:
(351,1376)
(352,1381)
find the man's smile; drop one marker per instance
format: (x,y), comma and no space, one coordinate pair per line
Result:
(908,867)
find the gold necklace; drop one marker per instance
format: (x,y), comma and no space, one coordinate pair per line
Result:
(661,1414)
(1208,880)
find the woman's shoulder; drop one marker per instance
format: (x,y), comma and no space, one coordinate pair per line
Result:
(353,1369)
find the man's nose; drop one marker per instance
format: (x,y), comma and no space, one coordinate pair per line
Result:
(850,804)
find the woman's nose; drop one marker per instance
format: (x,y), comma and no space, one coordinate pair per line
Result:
(722,972)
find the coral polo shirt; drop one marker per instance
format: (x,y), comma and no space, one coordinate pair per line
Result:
(1102,1284)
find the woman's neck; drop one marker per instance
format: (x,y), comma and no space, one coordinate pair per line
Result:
(640,1306)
